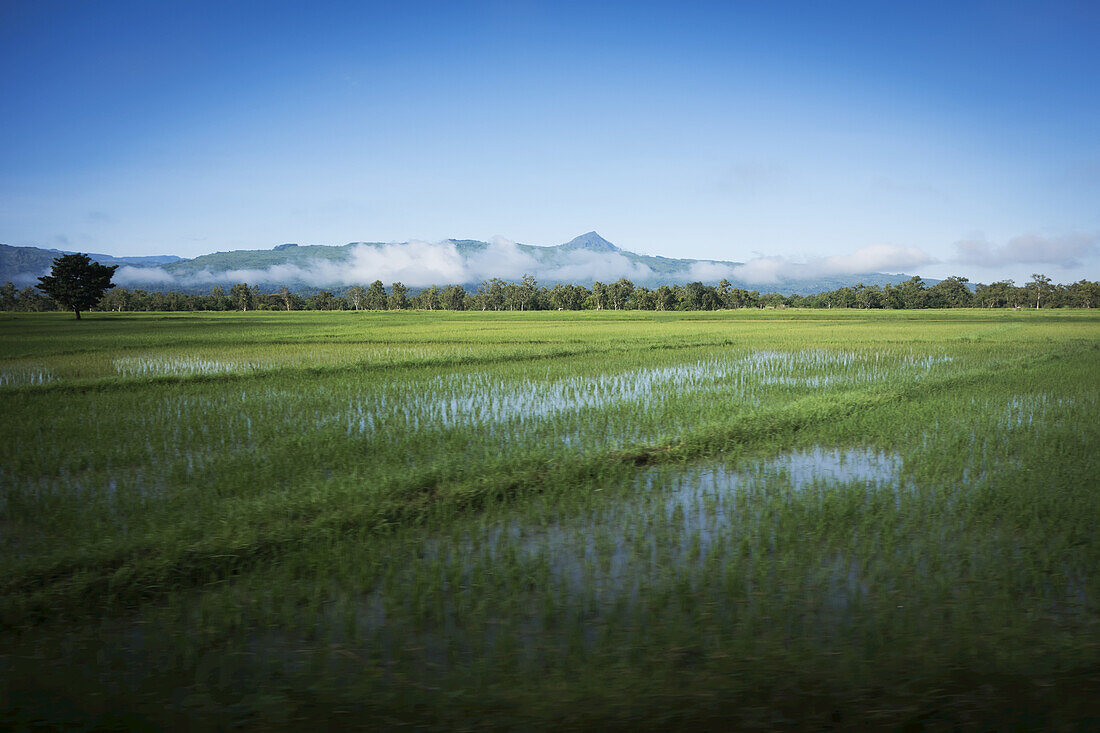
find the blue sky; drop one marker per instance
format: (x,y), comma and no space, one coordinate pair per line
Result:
(927,137)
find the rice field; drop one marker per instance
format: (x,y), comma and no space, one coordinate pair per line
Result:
(466,520)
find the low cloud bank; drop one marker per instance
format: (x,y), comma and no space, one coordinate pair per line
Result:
(23,279)
(1065,251)
(421,264)
(417,264)
(776,269)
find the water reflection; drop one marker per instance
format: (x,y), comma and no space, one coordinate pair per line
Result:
(16,375)
(672,525)
(477,398)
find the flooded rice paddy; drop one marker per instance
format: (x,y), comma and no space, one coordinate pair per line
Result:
(679,521)
(17,375)
(153,450)
(261,360)
(705,520)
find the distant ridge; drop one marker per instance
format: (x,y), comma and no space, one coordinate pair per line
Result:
(308,268)
(590,241)
(24,265)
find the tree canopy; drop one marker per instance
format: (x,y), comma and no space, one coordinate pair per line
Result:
(76,282)
(498,294)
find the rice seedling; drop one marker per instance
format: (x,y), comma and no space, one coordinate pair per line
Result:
(499,519)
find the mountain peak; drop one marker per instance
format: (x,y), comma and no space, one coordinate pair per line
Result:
(590,241)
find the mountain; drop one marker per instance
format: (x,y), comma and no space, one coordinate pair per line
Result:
(592,242)
(24,265)
(468,262)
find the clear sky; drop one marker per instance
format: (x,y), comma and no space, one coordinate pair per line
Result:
(928,137)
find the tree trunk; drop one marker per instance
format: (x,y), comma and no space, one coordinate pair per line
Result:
(77,313)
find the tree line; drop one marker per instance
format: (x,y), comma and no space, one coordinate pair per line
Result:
(498,295)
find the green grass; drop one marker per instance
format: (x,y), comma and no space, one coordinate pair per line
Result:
(469,519)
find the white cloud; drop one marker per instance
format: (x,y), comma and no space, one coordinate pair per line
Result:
(768,270)
(876,258)
(420,264)
(23,279)
(128,275)
(1065,250)
(707,271)
(873,258)
(417,264)
(604,266)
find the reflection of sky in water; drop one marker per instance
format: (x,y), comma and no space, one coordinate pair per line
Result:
(1027,409)
(480,397)
(183,434)
(805,468)
(674,530)
(182,365)
(13,376)
(179,366)
(673,523)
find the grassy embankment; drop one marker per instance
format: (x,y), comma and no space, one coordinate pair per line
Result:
(445,517)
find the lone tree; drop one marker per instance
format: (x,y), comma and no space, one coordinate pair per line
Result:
(76,282)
